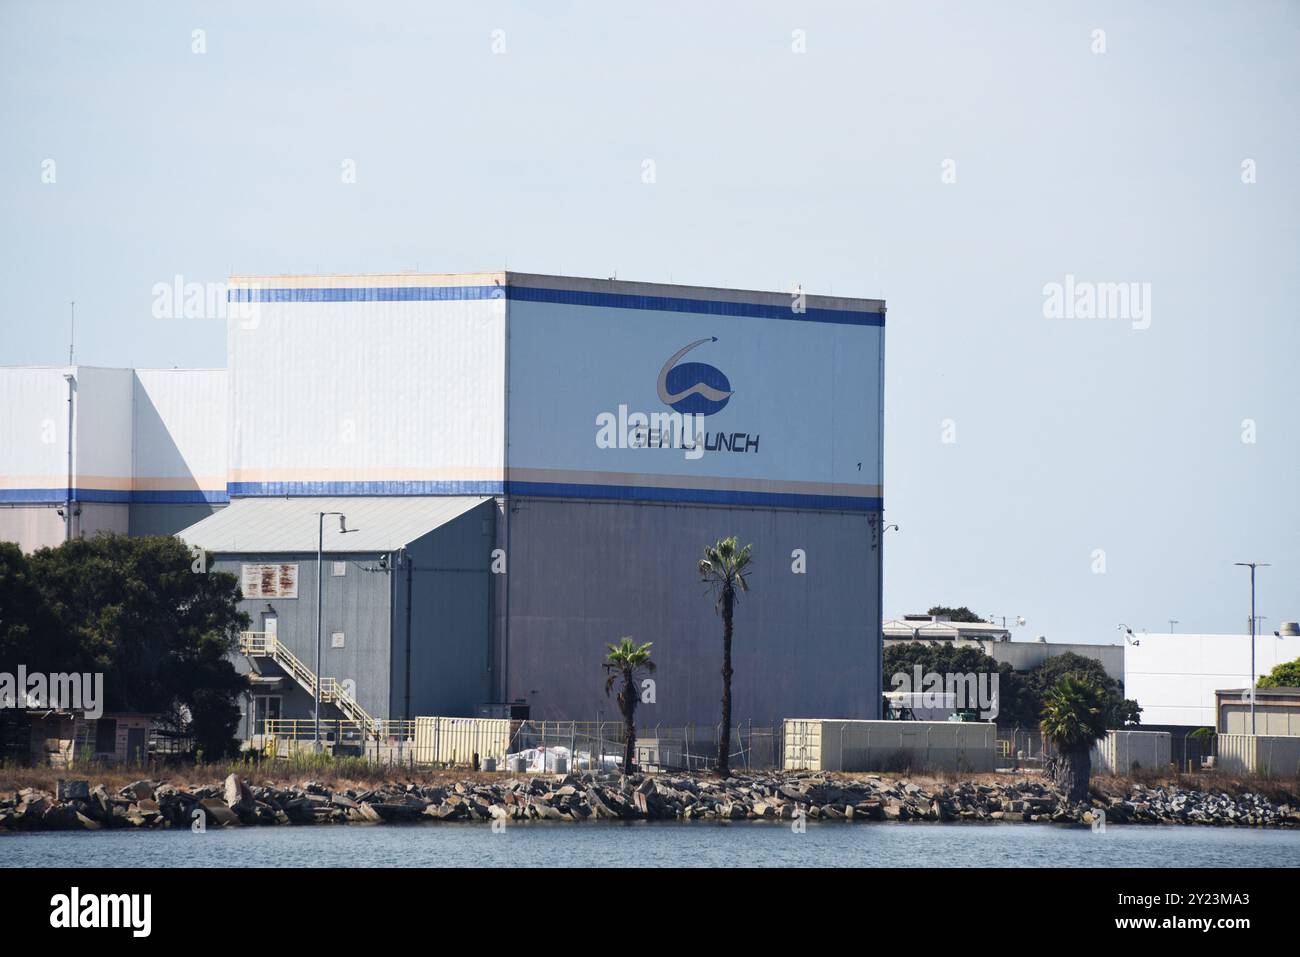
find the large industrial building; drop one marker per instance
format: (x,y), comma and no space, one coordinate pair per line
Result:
(529,468)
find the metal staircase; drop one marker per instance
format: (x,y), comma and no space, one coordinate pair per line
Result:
(258,644)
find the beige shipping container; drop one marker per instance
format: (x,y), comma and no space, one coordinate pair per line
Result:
(1271,756)
(1122,751)
(823,744)
(457,740)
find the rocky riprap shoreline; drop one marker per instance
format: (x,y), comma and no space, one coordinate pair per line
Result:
(584,797)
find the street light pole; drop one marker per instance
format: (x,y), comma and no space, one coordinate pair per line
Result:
(1252,566)
(880,610)
(320,580)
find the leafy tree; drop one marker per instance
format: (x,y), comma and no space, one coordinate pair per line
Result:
(724,566)
(1285,675)
(956,614)
(947,658)
(623,663)
(1118,711)
(135,610)
(1074,716)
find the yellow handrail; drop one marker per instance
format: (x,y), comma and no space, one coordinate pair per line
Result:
(261,645)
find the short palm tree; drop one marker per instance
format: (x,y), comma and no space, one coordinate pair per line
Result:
(1074,717)
(724,567)
(625,661)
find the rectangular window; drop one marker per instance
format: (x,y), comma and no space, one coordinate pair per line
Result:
(339,569)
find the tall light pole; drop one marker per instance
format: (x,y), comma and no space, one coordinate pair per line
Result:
(880,607)
(71,379)
(320,580)
(1252,566)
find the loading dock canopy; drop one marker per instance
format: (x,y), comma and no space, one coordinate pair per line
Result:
(290,524)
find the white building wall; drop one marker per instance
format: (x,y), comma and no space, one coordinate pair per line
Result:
(806,393)
(102,461)
(33,434)
(1174,677)
(180,420)
(335,389)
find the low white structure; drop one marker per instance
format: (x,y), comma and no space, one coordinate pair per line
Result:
(1174,677)
(1271,756)
(933,628)
(1122,751)
(823,744)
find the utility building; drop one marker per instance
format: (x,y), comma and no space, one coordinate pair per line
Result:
(565,448)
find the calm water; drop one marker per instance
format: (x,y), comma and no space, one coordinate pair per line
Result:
(764,844)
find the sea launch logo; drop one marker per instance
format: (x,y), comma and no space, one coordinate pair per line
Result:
(693,388)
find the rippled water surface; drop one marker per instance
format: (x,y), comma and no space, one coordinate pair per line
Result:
(763,844)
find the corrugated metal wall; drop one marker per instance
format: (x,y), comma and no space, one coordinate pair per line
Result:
(1122,751)
(367,397)
(1257,754)
(451,623)
(356,604)
(583,574)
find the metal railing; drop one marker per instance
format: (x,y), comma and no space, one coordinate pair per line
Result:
(338,729)
(259,644)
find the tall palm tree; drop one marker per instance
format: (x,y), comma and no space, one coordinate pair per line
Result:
(1074,716)
(724,566)
(625,661)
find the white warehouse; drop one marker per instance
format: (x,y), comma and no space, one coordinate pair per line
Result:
(609,429)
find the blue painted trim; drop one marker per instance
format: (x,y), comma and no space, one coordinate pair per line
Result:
(368,294)
(572,297)
(99,496)
(627,493)
(197,497)
(632,493)
(236,489)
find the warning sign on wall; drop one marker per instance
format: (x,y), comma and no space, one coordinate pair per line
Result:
(269,581)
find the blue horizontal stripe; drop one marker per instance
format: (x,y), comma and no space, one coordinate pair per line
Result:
(368,294)
(99,496)
(173,497)
(627,493)
(642,493)
(363,488)
(573,297)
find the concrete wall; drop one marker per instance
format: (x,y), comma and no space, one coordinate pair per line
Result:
(830,745)
(1174,677)
(1027,655)
(582,574)
(31,526)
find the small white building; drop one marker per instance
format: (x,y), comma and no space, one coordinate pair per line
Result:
(932,628)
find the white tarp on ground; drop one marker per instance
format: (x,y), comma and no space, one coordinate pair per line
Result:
(542,760)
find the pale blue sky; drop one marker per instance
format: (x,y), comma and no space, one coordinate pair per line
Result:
(771,166)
